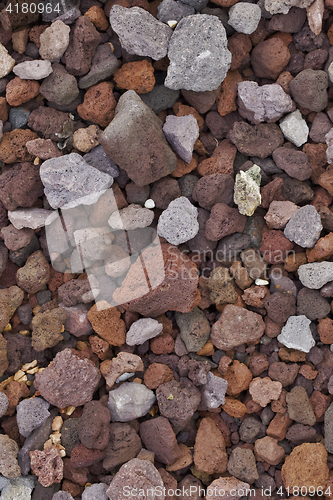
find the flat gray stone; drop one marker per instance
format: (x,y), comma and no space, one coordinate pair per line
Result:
(96,491)
(244,17)
(316,274)
(169,10)
(29,217)
(304,227)
(182,132)
(198,53)
(160,98)
(213,392)
(178,223)
(69,181)
(139,32)
(33,70)
(296,334)
(31,413)
(131,217)
(143,329)
(18,488)
(130,401)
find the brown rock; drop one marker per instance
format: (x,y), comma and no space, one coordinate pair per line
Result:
(229,485)
(212,189)
(280,306)
(83,457)
(278,426)
(49,123)
(47,466)
(308,372)
(184,461)
(256,140)
(20,39)
(106,321)
(35,274)
(264,390)
(269,57)
(94,428)
(183,167)
(226,100)
(258,363)
(3,110)
(201,101)
(162,344)
(124,444)
(3,355)
(234,408)
(242,464)
(46,329)
(236,374)
(85,139)
(255,295)
(137,75)
(316,154)
(83,41)
(306,466)
(236,326)
(13,147)
(272,192)
(157,436)
(325,330)
(183,110)
(286,374)
(124,362)
(319,402)
(240,46)
(98,104)
(295,163)
(326,179)
(241,275)
(43,149)
(299,406)
(293,261)
(164,191)
(15,239)
(97,17)
(221,161)
(221,286)
(279,213)
(35,32)
(19,91)
(209,449)
(156,375)
(100,347)
(224,221)
(322,250)
(176,288)
(267,450)
(8,452)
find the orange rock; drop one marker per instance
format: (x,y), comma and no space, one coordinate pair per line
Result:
(185,168)
(322,250)
(184,110)
(326,179)
(240,46)
(226,100)
(292,355)
(207,349)
(237,375)
(13,146)
(157,374)
(209,449)
(106,321)
(284,79)
(221,161)
(137,75)
(308,372)
(234,408)
(3,110)
(19,91)
(280,405)
(184,461)
(267,450)
(98,18)
(306,466)
(264,390)
(98,104)
(279,425)
(294,260)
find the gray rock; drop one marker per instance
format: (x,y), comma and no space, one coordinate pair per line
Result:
(316,274)
(194,329)
(328,422)
(62,495)
(242,464)
(295,128)
(54,41)
(187,184)
(70,434)
(262,104)
(69,181)
(170,10)
(296,334)
(103,65)
(308,89)
(18,117)
(213,392)
(29,217)
(31,413)
(251,429)
(222,15)
(131,217)
(143,329)
(178,223)
(130,401)
(3,404)
(244,17)
(98,158)
(139,32)
(33,70)
(198,5)
(160,98)
(304,227)
(60,87)
(134,141)
(283,6)
(19,488)
(182,132)
(40,492)
(96,491)
(69,12)
(199,58)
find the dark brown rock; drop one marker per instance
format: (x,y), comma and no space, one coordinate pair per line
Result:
(224,221)
(212,189)
(294,163)
(124,444)
(157,436)
(256,140)
(94,428)
(49,122)
(83,42)
(280,306)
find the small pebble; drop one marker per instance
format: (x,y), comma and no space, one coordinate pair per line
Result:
(33,70)
(296,334)
(294,128)
(143,329)
(178,223)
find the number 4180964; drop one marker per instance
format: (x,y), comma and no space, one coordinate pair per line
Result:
(306,491)
(33,8)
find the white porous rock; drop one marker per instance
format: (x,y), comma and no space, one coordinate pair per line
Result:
(244,17)
(296,334)
(283,6)
(294,128)
(29,217)
(178,223)
(131,217)
(33,70)
(6,62)
(131,400)
(316,274)
(143,329)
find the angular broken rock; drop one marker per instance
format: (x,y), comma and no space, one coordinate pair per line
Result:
(69,181)
(198,53)
(264,390)
(296,334)
(31,413)
(47,465)
(247,190)
(131,400)
(304,227)
(316,274)
(139,32)
(124,362)
(233,489)
(143,329)
(8,452)
(69,380)
(135,142)
(181,132)
(32,218)
(213,392)
(283,6)
(178,223)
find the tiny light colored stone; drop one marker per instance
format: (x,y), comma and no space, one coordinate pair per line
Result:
(261,282)
(296,334)
(264,390)
(6,62)
(131,217)
(28,217)
(294,128)
(33,70)
(149,203)
(315,14)
(172,23)
(247,190)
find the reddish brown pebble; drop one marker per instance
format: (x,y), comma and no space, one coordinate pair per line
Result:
(47,465)
(137,75)
(98,105)
(106,321)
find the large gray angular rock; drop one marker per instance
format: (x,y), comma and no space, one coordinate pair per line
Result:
(19,488)
(296,334)
(182,132)
(213,392)
(304,227)
(316,274)
(103,64)
(160,98)
(178,223)
(60,86)
(69,181)
(139,32)
(262,104)
(131,217)
(131,400)
(170,10)
(244,17)
(198,53)
(143,329)
(134,141)
(31,413)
